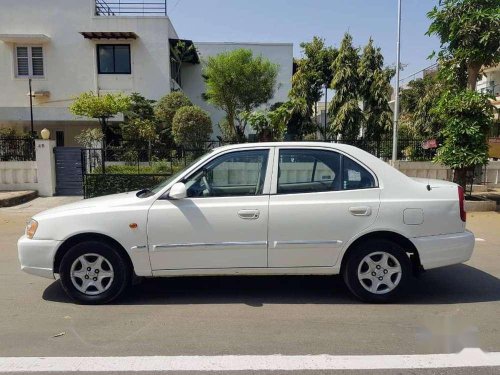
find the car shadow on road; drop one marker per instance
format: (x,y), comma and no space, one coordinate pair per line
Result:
(450,285)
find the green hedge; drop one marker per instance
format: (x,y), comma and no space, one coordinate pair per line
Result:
(96,185)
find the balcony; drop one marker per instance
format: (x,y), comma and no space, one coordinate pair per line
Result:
(132,8)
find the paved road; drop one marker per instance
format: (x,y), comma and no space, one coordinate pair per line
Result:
(445,311)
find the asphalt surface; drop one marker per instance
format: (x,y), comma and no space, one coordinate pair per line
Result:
(444,311)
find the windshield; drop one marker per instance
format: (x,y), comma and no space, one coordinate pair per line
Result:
(164,183)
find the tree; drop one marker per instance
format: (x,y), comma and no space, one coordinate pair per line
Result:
(139,120)
(417,102)
(271,125)
(140,108)
(165,110)
(238,82)
(191,127)
(467,116)
(345,115)
(375,91)
(469,35)
(101,107)
(314,73)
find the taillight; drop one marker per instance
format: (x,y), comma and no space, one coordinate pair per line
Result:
(461,198)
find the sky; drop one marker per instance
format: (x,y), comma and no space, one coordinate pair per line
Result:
(296,21)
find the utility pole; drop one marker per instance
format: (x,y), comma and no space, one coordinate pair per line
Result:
(396,103)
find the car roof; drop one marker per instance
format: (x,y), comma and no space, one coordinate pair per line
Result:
(338,146)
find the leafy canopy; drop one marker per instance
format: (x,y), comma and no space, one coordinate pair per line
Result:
(238,81)
(345,115)
(105,106)
(375,90)
(469,31)
(467,117)
(417,103)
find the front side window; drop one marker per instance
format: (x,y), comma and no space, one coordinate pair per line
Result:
(29,61)
(113,59)
(239,173)
(308,171)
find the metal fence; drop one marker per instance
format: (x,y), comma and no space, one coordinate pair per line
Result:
(409,149)
(17,149)
(130,8)
(129,165)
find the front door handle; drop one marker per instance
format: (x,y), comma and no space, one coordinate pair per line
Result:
(249,214)
(360,211)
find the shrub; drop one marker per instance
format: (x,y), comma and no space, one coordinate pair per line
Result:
(166,108)
(191,127)
(90,138)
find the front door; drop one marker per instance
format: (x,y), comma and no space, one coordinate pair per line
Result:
(322,199)
(223,221)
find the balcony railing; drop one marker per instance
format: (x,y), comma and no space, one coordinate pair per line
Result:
(130,8)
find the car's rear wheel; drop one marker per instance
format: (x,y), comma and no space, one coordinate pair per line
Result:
(93,272)
(377,271)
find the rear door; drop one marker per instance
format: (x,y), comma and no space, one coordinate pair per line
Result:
(319,200)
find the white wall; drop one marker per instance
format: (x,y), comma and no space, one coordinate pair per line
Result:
(70,60)
(194,86)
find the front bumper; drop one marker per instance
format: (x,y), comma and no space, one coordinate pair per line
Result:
(37,256)
(444,250)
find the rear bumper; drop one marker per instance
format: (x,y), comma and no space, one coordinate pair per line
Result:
(444,250)
(37,256)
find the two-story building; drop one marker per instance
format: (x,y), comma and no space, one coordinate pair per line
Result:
(66,47)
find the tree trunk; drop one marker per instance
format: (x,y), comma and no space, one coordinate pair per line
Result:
(460,177)
(472,74)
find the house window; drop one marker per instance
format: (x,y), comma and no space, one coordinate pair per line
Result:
(113,58)
(29,61)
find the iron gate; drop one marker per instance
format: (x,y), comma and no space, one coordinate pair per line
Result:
(69,179)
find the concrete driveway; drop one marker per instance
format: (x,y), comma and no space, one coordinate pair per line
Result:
(445,311)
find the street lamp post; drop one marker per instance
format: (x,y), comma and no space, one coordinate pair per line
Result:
(396,103)
(31,108)
(326,111)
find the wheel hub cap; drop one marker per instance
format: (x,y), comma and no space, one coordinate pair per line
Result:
(379,272)
(92,274)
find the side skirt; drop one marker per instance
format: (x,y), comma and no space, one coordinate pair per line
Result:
(248,271)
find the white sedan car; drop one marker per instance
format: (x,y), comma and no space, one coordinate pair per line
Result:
(257,209)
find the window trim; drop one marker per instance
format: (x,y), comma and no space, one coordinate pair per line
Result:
(129,72)
(267,177)
(275,179)
(30,61)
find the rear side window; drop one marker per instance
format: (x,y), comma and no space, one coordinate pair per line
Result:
(354,176)
(308,171)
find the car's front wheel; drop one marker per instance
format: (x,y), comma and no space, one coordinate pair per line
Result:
(93,272)
(377,271)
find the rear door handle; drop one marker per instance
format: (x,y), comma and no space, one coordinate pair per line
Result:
(360,211)
(249,214)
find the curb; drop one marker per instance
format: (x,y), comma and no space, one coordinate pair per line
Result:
(18,199)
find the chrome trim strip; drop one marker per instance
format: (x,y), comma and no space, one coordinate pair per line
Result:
(208,244)
(138,247)
(303,242)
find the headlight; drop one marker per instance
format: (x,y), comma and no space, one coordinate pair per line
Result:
(31,228)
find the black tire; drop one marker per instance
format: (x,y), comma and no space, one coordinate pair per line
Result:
(120,268)
(356,256)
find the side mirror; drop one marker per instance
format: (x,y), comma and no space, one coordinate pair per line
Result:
(178,191)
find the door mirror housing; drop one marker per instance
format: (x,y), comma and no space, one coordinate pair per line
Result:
(178,191)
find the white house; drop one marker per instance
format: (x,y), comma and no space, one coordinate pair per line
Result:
(68,47)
